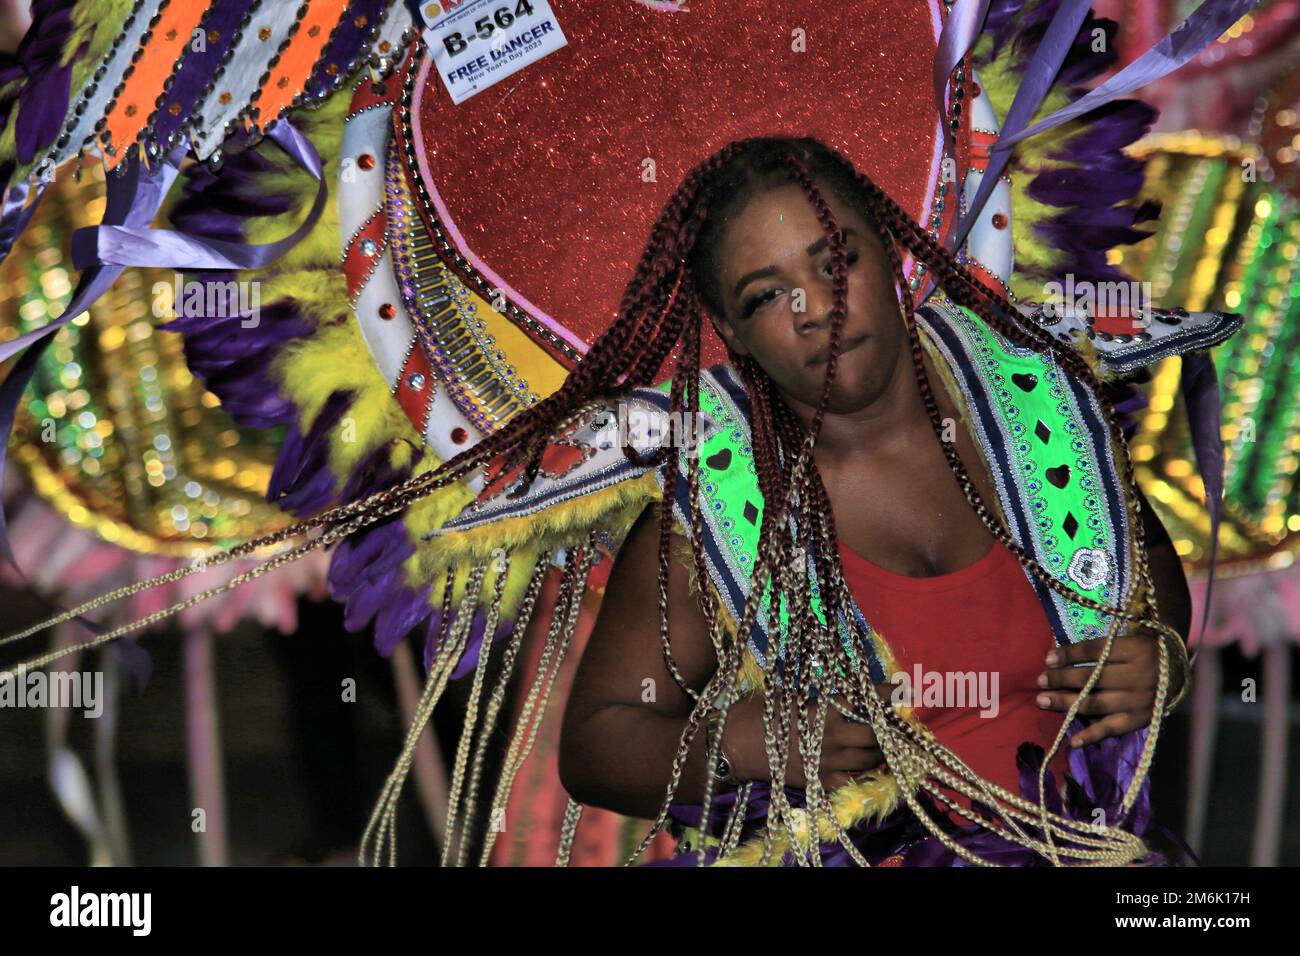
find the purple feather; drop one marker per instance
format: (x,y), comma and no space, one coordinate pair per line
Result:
(237,363)
(42,102)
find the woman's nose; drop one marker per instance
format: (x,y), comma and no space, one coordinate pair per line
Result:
(818,302)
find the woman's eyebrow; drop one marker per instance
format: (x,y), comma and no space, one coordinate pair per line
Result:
(820,244)
(812,250)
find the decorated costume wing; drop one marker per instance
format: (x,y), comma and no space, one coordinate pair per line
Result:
(424,271)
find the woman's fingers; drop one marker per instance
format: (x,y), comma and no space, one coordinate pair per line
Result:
(852,759)
(1125,648)
(833,780)
(1099,703)
(840,730)
(858,763)
(843,733)
(1113,677)
(839,762)
(1113,726)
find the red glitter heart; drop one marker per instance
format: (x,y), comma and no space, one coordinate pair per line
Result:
(540,180)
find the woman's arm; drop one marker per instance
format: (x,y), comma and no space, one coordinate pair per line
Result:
(626,714)
(1172,594)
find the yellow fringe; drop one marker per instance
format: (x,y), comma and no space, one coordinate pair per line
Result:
(611,509)
(873,796)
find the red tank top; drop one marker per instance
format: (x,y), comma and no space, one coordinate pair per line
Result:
(979,637)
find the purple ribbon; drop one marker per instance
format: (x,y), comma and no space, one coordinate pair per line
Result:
(134,196)
(16,212)
(964,24)
(1202,27)
(135,244)
(1200,387)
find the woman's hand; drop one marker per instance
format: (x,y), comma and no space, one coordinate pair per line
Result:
(848,749)
(1125,694)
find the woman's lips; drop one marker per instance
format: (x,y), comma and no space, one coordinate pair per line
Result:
(848,346)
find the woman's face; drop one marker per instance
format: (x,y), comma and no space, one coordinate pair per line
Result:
(775,285)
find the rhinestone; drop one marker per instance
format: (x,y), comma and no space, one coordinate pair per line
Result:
(366,161)
(416,380)
(387,310)
(368,247)
(459,436)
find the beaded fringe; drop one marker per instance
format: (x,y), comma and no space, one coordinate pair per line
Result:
(379,842)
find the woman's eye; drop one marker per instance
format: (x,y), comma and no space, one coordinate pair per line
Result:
(752,304)
(830,263)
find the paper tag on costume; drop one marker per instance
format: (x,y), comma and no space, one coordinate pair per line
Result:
(476,43)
